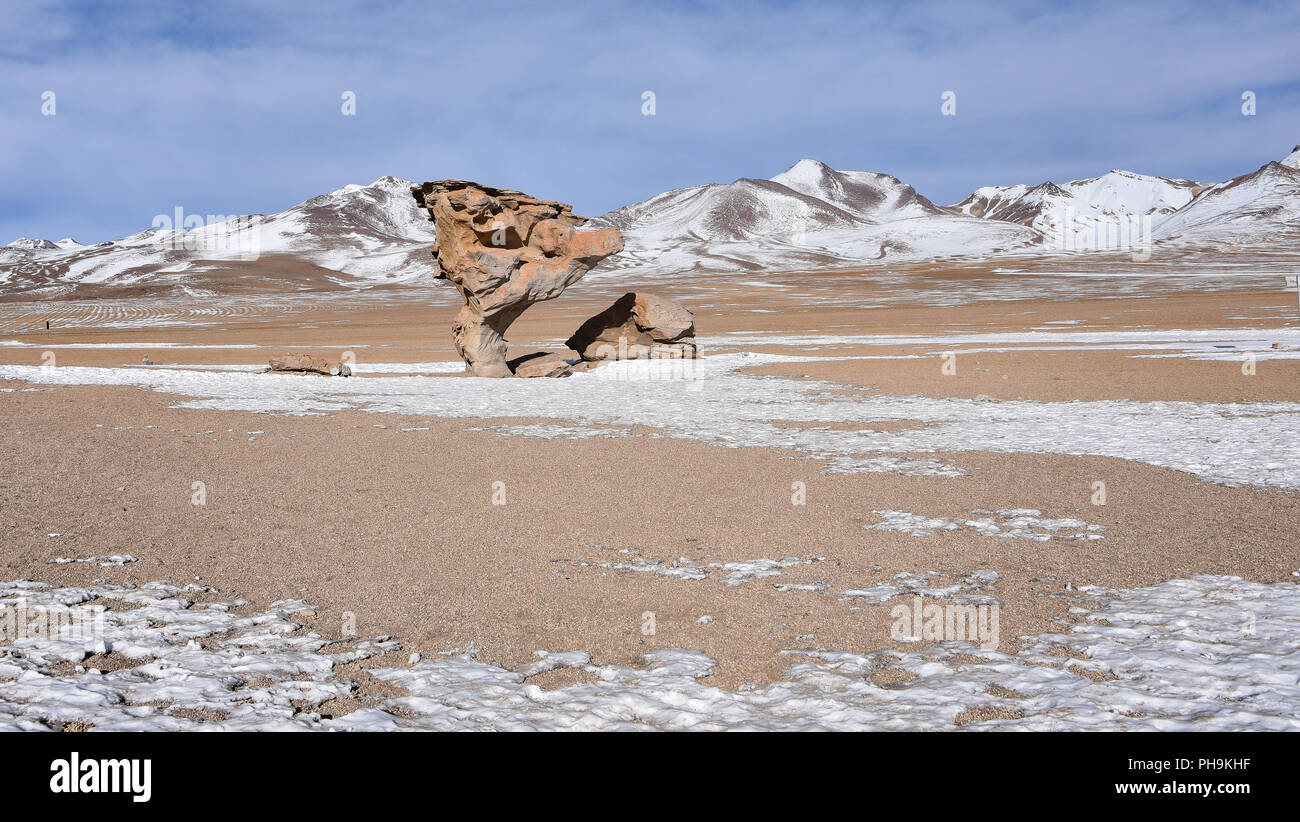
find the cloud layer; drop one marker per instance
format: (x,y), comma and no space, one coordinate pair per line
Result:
(236,107)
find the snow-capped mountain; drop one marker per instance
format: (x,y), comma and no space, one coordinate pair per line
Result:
(1067,214)
(30,244)
(865,194)
(808,215)
(744,210)
(1263,206)
(356,235)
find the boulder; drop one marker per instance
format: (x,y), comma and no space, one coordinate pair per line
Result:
(307,364)
(543,364)
(505,250)
(637,326)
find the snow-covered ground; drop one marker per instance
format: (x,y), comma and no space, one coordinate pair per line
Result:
(729,573)
(1210,652)
(1013,523)
(1206,653)
(713,400)
(1223,344)
(250,677)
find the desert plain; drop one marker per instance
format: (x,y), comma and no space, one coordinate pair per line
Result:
(718,513)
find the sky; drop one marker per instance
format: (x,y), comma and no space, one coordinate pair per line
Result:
(236,108)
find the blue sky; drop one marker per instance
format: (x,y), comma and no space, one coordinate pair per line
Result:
(232,108)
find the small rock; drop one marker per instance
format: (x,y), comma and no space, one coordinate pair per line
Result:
(307,364)
(543,364)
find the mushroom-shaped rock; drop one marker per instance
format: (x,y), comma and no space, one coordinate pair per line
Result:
(505,250)
(636,326)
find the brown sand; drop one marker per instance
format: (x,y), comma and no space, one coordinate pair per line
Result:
(399,527)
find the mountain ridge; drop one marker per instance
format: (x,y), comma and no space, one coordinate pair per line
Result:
(808,216)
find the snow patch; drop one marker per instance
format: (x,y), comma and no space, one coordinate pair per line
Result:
(1020,523)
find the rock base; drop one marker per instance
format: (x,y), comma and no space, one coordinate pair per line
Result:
(637,326)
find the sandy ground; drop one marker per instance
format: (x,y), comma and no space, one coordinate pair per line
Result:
(399,528)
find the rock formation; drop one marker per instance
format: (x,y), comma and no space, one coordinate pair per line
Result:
(543,364)
(307,364)
(505,250)
(636,326)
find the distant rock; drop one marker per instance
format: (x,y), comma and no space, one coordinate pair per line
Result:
(637,326)
(307,364)
(505,250)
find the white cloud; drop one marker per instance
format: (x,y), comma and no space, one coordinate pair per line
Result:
(238,109)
